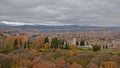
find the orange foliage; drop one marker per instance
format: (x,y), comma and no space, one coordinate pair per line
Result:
(11,39)
(23,38)
(39,42)
(108,65)
(22,64)
(75,65)
(59,63)
(92,65)
(42,64)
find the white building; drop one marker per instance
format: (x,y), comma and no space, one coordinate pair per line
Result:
(74,41)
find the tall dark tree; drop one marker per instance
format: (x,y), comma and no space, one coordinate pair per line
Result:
(59,43)
(103,46)
(46,40)
(77,43)
(62,43)
(96,47)
(106,47)
(25,45)
(28,44)
(16,44)
(82,43)
(20,43)
(66,46)
(54,43)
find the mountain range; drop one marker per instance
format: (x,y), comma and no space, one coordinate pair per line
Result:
(57,27)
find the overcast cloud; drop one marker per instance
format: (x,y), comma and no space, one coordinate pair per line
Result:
(59,12)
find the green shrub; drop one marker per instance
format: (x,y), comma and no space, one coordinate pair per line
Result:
(6,65)
(119,53)
(112,52)
(96,47)
(52,59)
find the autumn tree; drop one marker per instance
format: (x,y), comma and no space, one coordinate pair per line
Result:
(22,64)
(42,64)
(59,63)
(72,49)
(46,46)
(39,42)
(109,64)
(71,53)
(75,65)
(92,65)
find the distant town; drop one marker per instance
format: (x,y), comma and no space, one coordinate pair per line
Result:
(107,39)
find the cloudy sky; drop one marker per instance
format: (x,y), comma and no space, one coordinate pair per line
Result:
(60,12)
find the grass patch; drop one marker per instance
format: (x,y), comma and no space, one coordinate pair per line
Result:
(108,51)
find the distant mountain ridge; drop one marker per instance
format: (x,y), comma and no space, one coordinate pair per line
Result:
(47,27)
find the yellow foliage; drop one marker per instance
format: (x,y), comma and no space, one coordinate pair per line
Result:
(74,63)
(46,45)
(73,49)
(71,53)
(58,50)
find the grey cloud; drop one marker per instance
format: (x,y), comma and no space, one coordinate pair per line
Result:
(79,12)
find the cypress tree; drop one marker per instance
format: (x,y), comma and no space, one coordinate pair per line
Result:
(77,43)
(55,43)
(82,43)
(106,47)
(46,40)
(28,44)
(15,44)
(20,43)
(62,43)
(25,45)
